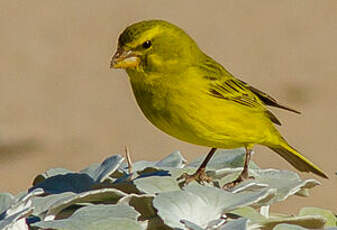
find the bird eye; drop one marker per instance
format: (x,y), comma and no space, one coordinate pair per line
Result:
(147,44)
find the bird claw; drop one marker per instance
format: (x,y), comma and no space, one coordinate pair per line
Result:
(200,176)
(237,181)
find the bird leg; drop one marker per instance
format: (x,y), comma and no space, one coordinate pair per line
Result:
(200,175)
(244,173)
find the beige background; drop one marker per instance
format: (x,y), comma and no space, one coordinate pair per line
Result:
(61,105)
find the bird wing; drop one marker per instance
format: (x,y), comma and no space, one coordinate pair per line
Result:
(233,90)
(267,99)
(236,91)
(224,85)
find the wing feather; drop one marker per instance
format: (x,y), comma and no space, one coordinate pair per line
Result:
(267,99)
(224,85)
(235,91)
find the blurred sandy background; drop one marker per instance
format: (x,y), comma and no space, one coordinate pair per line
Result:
(61,105)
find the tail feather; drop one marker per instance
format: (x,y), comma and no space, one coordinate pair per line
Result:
(297,160)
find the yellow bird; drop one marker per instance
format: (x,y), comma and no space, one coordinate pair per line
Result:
(190,96)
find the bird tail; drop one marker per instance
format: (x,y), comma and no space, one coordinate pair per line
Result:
(297,160)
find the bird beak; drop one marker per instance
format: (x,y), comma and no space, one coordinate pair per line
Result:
(124,59)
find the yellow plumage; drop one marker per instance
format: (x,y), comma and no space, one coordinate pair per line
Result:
(190,96)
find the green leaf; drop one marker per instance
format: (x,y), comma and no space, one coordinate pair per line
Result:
(49,206)
(288,227)
(328,215)
(71,182)
(42,204)
(143,204)
(215,224)
(19,208)
(239,224)
(201,204)
(174,160)
(158,181)
(191,226)
(303,221)
(309,221)
(14,219)
(103,217)
(296,227)
(59,180)
(249,213)
(50,173)
(6,199)
(101,172)
(285,183)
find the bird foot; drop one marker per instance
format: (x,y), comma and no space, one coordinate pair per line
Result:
(199,176)
(237,181)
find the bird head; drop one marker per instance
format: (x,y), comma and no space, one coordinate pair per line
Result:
(154,46)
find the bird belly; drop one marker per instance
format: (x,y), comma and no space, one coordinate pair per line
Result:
(195,119)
